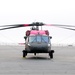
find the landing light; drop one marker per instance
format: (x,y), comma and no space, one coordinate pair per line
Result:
(48,44)
(28,44)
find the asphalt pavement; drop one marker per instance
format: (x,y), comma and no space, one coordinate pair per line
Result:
(12,62)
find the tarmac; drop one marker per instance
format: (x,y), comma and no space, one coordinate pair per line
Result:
(12,62)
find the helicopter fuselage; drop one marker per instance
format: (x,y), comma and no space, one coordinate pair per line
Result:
(38,42)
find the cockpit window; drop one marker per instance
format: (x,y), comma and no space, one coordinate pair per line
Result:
(45,39)
(39,39)
(32,39)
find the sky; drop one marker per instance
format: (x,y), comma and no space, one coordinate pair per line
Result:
(29,11)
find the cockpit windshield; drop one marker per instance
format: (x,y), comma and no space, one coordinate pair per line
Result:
(39,39)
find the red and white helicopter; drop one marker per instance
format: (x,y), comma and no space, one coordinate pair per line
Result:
(37,41)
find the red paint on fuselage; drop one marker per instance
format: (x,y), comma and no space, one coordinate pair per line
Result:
(36,32)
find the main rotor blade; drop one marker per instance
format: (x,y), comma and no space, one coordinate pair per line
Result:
(35,24)
(59,25)
(67,28)
(6,25)
(62,26)
(16,26)
(8,28)
(20,25)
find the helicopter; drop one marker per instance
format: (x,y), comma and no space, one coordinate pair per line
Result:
(37,41)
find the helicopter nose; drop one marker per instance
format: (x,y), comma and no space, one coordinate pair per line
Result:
(39,46)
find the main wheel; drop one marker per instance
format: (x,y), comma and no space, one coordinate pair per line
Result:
(51,55)
(35,54)
(24,53)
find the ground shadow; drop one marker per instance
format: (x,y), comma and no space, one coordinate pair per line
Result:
(37,58)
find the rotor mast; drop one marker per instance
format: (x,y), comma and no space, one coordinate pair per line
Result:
(37,24)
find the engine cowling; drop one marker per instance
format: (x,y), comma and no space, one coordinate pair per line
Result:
(27,32)
(47,32)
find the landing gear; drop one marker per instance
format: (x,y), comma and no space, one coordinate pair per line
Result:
(51,54)
(24,53)
(35,54)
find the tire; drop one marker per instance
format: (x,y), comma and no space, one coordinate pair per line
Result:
(51,55)
(24,54)
(35,54)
